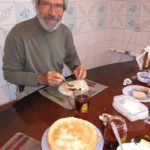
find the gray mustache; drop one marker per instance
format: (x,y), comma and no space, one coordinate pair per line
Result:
(51,17)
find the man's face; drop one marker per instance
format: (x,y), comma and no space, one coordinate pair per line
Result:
(50,13)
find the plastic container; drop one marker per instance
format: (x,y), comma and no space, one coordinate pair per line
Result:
(130,108)
(143,77)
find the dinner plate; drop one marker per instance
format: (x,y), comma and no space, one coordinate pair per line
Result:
(129,89)
(99,145)
(69,91)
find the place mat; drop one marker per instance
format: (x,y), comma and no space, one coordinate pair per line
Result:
(66,101)
(20,141)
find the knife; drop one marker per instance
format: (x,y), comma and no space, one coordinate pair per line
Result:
(13,141)
(21,143)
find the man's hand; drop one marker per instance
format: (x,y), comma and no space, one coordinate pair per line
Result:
(51,78)
(79,72)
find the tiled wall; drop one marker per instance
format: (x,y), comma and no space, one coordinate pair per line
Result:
(124,15)
(97,26)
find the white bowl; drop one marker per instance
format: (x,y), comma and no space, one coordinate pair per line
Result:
(144,77)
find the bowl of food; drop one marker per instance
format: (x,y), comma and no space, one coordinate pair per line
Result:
(143,77)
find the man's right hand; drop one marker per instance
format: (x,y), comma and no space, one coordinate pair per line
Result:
(51,78)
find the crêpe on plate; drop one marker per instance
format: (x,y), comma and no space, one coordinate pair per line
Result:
(79,86)
(72,134)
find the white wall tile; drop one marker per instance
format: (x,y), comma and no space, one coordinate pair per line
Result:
(118,34)
(3,82)
(92,5)
(142,38)
(1,59)
(12,92)
(82,40)
(3,33)
(22,1)
(102,59)
(145,9)
(7,14)
(6,1)
(90,63)
(129,35)
(110,21)
(100,48)
(117,44)
(82,9)
(91,24)
(119,21)
(4,95)
(117,7)
(82,52)
(81,25)
(91,36)
(90,51)
(145,23)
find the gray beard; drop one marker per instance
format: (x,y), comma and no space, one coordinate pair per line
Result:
(49,28)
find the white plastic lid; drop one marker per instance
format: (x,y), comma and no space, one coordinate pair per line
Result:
(130,108)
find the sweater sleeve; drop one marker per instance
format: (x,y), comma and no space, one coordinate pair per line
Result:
(14,63)
(71,59)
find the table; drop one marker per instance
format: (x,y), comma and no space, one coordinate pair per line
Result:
(35,113)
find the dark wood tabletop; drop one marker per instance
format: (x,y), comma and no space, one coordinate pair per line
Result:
(35,113)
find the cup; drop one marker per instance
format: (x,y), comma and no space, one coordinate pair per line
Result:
(81,103)
(109,137)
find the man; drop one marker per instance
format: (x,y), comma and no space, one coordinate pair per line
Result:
(35,50)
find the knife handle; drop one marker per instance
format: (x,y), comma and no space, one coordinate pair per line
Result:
(13,141)
(22,142)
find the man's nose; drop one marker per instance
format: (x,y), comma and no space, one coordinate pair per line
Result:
(52,10)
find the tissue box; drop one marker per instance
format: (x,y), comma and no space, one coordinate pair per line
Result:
(130,108)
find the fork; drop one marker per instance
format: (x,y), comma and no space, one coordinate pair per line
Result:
(68,83)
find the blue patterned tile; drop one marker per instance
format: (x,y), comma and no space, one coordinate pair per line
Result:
(133,8)
(131,20)
(71,24)
(24,11)
(101,8)
(71,11)
(100,24)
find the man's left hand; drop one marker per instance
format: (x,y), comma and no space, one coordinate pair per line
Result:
(79,72)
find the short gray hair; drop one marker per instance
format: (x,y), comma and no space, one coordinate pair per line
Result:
(64,6)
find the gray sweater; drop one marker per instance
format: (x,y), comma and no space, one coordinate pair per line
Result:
(30,50)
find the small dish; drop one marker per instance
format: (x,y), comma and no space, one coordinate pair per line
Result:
(144,77)
(130,88)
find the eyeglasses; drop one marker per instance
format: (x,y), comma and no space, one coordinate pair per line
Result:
(47,6)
